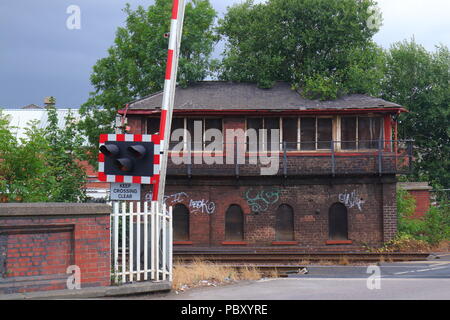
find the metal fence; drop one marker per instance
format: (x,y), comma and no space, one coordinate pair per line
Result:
(302,158)
(141,235)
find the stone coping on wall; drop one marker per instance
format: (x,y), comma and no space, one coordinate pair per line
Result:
(131,289)
(53,209)
(414,186)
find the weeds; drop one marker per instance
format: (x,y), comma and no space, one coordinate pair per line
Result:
(204,273)
(343,261)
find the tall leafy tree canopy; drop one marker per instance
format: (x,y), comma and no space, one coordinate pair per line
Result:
(45,165)
(420,81)
(65,149)
(23,169)
(135,65)
(323,47)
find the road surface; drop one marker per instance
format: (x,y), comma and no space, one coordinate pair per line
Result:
(421,280)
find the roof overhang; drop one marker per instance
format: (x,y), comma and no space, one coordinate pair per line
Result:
(213,112)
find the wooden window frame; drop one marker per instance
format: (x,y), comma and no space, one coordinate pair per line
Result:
(264,133)
(358,149)
(185,141)
(316,143)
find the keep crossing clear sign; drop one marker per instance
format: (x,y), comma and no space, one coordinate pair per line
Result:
(125,191)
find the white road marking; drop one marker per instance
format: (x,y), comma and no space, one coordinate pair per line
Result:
(404,272)
(436,267)
(442,264)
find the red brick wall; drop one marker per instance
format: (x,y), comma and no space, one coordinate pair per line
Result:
(35,254)
(420,191)
(423,202)
(374,223)
(36,251)
(92,181)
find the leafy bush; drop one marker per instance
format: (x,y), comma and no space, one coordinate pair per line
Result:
(404,243)
(44,166)
(433,228)
(406,204)
(436,226)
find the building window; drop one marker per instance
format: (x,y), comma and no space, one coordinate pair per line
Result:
(264,138)
(308,133)
(180,223)
(348,133)
(152,125)
(212,124)
(284,226)
(271,124)
(290,133)
(316,133)
(196,141)
(324,133)
(361,132)
(338,222)
(189,125)
(234,223)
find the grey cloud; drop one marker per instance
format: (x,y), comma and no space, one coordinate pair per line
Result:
(39,56)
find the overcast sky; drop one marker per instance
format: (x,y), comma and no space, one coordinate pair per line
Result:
(40,56)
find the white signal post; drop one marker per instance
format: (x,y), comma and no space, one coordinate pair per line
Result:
(176,30)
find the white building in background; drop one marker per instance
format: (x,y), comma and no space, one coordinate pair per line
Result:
(20,120)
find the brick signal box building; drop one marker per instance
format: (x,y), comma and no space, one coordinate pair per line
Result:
(335,187)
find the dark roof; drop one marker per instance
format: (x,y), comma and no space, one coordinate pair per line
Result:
(32,106)
(217,95)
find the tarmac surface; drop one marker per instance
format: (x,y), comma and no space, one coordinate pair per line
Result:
(421,280)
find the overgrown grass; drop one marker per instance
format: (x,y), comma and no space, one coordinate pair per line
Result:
(343,261)
(203,273)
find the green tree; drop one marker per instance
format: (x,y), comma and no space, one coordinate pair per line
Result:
(135,65)
(23,166)
(44,166)
(419,80)
(323,47)
(63,159)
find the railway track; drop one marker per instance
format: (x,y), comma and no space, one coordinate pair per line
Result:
(288,258)
(285,262)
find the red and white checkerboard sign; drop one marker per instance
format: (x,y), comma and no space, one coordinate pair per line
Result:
(102,176)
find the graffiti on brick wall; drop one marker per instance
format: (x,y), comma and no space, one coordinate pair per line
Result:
(202,206)
(195,206)
(351,200)
(261,200)
(176,197)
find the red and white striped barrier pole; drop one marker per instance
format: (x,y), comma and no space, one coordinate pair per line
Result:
(176,30)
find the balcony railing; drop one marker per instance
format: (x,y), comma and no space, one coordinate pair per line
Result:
(329,158)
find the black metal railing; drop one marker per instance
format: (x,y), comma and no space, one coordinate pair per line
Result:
(294,159)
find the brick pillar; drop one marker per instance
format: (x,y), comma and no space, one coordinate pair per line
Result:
(389,211)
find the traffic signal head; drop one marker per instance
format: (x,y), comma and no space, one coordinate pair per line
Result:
(129,158)
(124,164)
(123,158)
(110,150)
(138,151)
